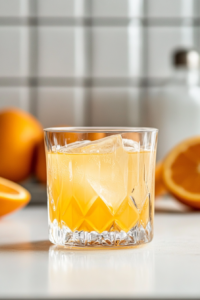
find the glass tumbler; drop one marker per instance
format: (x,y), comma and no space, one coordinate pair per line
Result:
(100,185)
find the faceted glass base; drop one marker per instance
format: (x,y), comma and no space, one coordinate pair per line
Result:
(65,237)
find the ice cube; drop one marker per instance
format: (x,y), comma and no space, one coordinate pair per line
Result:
(130,145)
(105,145)
(73,147)
(107,169)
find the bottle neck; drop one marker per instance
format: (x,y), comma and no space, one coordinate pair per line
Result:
(188,77)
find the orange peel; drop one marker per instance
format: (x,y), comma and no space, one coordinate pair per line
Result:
(12,196)
(181,172)
(160,188)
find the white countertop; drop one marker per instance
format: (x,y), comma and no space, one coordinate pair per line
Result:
(31,267)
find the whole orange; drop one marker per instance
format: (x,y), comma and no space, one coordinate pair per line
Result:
(20,132)
(40,159)
(93,136)
(40,162)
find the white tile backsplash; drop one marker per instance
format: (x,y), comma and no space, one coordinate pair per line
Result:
(113,50)
(10,8)
(14,97)
(114,107)
(56,52)
(14,8)
(13,51)
(117,8)
(92,8)
(108,106)
(173,8)
(123,50)
(103,8)
(61,106)
(110,51)
(61,51)
(161,42)
(61,8)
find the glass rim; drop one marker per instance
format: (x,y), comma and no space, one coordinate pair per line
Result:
(101,129)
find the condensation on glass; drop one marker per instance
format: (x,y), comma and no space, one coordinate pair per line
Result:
(100,185)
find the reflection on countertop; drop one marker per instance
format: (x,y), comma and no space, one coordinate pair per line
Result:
(125,271)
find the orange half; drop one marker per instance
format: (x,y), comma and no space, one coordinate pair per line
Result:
(12,196)
(160,188)
(181,172)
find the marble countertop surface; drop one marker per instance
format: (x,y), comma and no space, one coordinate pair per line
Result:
(167,268)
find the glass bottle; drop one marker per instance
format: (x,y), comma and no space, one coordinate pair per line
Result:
(175,110)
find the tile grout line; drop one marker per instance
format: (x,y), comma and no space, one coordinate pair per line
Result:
(33,61)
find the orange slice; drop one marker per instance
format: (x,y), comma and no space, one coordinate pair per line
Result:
(160,188)
(12,196)
(181,172)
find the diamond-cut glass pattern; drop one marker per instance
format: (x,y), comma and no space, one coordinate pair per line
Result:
(85,226)
(99,217)
(127,215)
(73,216)
(100,186)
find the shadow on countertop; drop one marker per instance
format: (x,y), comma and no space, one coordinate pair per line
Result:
(27,246)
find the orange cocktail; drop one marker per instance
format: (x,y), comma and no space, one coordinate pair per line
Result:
(100,192)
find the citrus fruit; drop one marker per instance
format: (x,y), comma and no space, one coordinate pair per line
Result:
(93,136)
(160,188)
(40,160)
(20,132)
(40,164)
(181,172)
(62,138)
(12,196)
